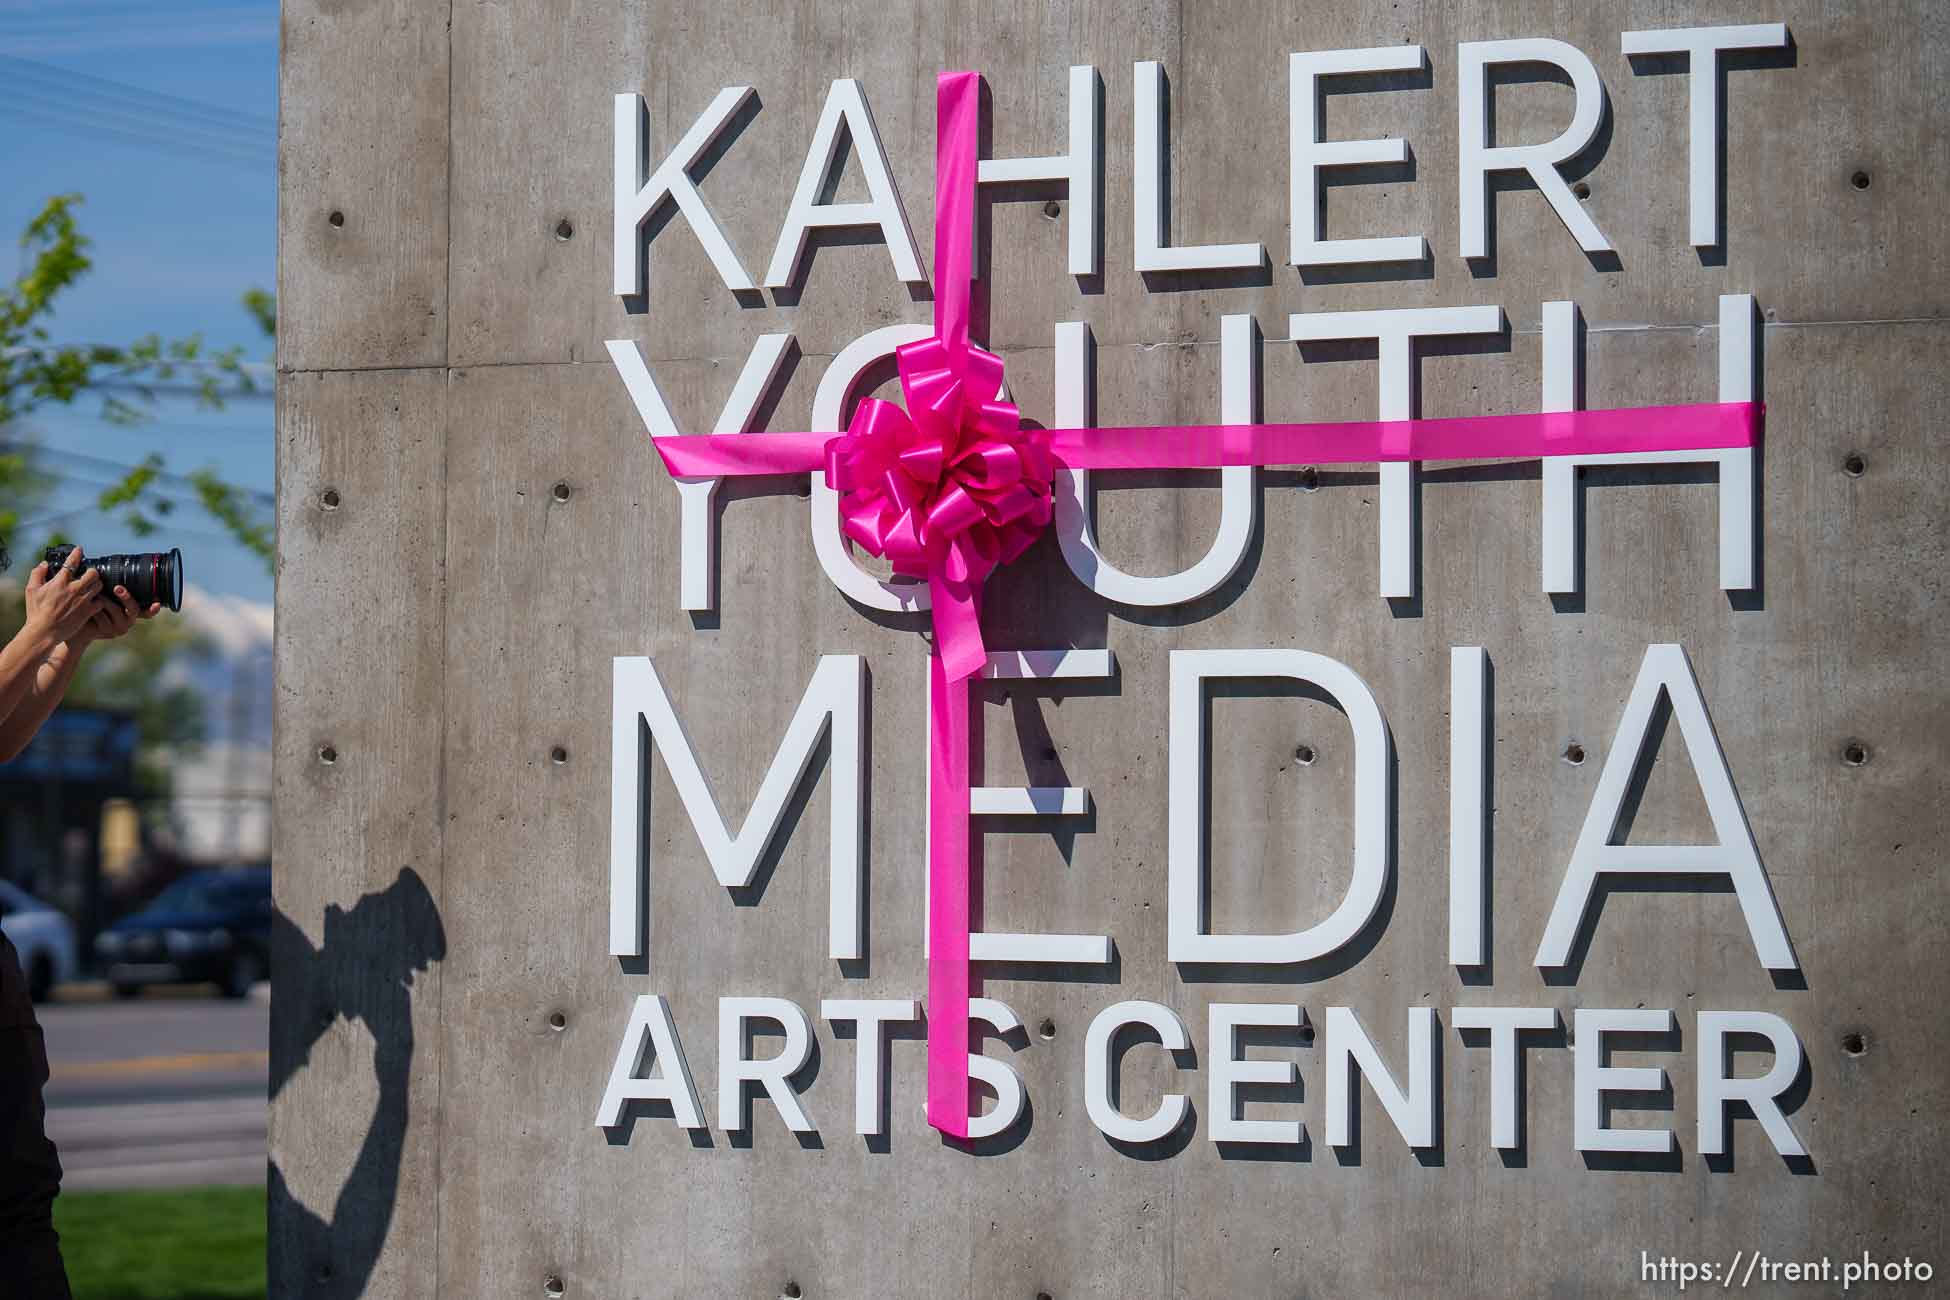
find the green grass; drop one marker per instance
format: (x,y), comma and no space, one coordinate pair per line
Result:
(199,1243)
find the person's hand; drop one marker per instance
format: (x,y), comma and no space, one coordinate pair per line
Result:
(62,603)
(114,617)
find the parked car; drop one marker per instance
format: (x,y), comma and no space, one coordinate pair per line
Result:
(212,925)
(43,936)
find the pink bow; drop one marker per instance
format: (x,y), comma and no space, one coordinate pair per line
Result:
(947,489)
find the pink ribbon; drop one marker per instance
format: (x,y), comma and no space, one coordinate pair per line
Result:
(1620,430)
(953,486)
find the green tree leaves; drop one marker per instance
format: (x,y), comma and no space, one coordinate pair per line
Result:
(35,372)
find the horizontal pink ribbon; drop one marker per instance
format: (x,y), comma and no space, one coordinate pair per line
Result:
(1628,430)
(953,486)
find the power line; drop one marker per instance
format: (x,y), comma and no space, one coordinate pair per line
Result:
(258,371)
(257,495)
(34,13)
(126,93)
(198,535)
(122,95)
(180,390)
(180,428)
(155,141)
(118,110)
(210,27)
(142,121)
(62,476)
(35,450)
(253,369)
(184,534)
(162,476)
(43,521)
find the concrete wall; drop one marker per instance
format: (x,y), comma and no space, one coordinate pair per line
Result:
(444,621)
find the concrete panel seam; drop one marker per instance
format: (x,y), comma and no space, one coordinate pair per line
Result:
(362,370)
(1018,349)
(440,793)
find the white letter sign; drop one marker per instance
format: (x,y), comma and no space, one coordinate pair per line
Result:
(1667,671)
(639,196)
(846,105)
(1476,157)
(1190,754)
(642,714)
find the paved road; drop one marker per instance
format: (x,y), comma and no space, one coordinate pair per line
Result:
(160,1091)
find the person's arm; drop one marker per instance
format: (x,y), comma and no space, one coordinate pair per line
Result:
(59,605)
(48,685)
(21,715)
(20,666)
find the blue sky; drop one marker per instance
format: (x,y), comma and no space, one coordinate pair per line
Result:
(160,112)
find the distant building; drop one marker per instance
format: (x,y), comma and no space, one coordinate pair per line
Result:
(61,800)
(220,803)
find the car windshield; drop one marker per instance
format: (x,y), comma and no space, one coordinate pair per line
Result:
(207,891)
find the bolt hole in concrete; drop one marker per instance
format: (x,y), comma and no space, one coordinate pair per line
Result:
(1855,1044)
(560,491)
(557,1021)
(564,231)
(1309,479)
(552,1286)
(1306,1035)
(1853,465)
(1582,190)
(1047,1029)
(791,1291)
(337,219)
(1303,754)
(1574,753)
(1052,209)
(327,755)
(558,755)
(1860,180)
(1042,1295)
(328,499)
(1855,753)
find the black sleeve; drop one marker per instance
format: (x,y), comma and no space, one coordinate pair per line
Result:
(30,1173)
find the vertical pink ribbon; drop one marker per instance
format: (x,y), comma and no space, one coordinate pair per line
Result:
(957,101)
(948,900)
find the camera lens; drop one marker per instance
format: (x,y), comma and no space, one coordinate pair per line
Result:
(173,567)
(152,577)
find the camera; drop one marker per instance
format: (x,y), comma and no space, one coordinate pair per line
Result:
(153,577)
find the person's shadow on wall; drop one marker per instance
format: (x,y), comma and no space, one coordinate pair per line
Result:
(363,971)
